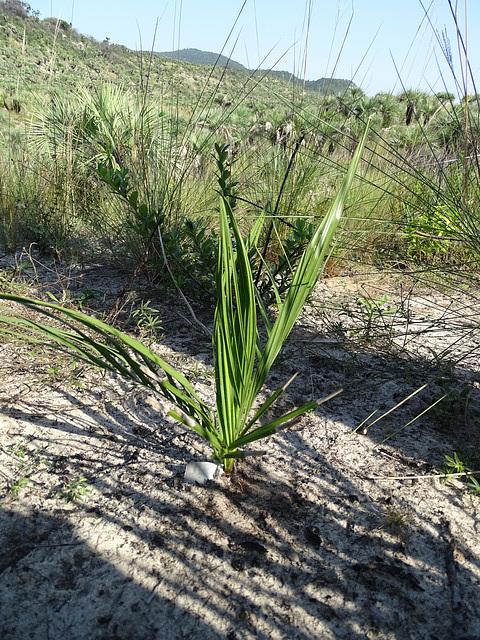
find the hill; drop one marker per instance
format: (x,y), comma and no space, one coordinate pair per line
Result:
(196,56)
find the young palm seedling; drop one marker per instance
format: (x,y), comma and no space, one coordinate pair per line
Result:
(242,363)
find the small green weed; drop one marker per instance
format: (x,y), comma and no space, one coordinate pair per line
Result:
(201,372)
(17,485)
(82,297)
(74,490)
(34,353)
(18,450)
(457,465)
(54,371)
(27,463)
(374,318)
(395,521)
(147,320)
(67,299)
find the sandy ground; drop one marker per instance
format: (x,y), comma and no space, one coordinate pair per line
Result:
(323,537)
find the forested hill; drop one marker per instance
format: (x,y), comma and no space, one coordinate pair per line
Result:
(196,56)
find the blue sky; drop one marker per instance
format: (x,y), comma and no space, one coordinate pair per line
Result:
(363,40)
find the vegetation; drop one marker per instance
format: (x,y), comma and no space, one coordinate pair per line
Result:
(330,86)
(27,462)
(195,56)
(288,146)
(122,155)
(241,362)
(456,467)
